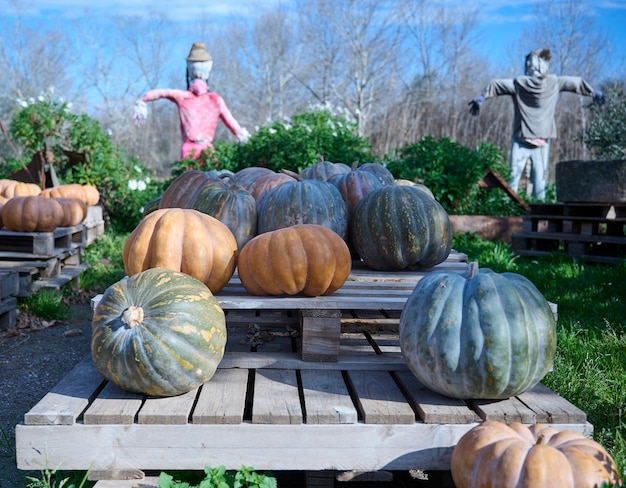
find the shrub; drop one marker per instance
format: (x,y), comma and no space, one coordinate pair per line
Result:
(606,135)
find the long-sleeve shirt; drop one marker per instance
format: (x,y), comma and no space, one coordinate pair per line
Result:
(535,102)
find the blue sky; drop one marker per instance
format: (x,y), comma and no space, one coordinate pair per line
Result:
(501,21)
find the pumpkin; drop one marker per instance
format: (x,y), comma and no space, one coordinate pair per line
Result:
(247,176)
(159,332)
(182,240)
(87,193)
(497,455)
(259,188)
(32,214)
(398,227)
(182,191)
(381,172)
(401,182)
(308,258)
(324,170)
(151,206)
(303,202)
(484,335)
(354,185)
(232,205)
(13,188)
(74,211)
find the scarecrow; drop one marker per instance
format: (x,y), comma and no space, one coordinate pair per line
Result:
(534,96)
(199,109)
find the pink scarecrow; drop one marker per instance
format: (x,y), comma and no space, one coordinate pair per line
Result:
(199,109)
(534,97)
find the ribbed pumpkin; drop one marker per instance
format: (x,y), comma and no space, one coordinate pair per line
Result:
(303,202)
(354,185)
(32,214)
(247,176)
(397,227)
(183,240)
(262,185)
(183,190)
(485,335)
(87,193)
(309,259)
(74,211)
(497,455)
(12,188)
(324,170)
(381,172)
(159,332)
(232,205)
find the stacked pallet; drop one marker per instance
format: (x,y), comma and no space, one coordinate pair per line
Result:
(48,259)
(591,231)
(9,287)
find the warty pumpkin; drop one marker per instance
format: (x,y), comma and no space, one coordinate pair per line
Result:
(397,227)
(183,240)
(497,455)
(485,335)
(159,332)
(307,258)
(32,214)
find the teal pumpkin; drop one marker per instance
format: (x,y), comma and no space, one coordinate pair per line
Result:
(303,202)
(382,173)
(398,227)
(324,170)
(232,205)
(485,335)
(182,191)
(354,185)
(159,332)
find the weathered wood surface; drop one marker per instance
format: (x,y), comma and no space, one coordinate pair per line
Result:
(270,410)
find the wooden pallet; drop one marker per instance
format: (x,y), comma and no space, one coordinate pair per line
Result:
(41,244)
(271,410)
(594,232)
(9,288)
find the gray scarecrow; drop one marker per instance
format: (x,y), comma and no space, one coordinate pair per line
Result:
(534,96)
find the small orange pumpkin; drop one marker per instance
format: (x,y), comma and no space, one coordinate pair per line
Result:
(498,455)
(307,258)
(13,188)
(74,211)
(87,193)
(183,240)
(32,214)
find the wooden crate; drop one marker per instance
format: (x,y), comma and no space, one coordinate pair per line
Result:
(595,232)
(271,410)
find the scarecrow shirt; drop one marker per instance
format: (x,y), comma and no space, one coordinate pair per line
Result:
(199,111)
(535,102)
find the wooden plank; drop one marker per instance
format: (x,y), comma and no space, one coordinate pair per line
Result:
(67,400)
(320,334)
(113,406)
(379,399)
(276,398)
(551,408)
(9,283)
(433,408)
(173,410)
(222,399)
(326,398)
(506,411)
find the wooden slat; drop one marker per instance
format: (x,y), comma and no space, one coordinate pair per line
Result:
(168,410)
(431,407)
(379,398)
(113,406)
(276,398)
(222,399)
(551,408)
(507,411)
(67,400)
(326,398)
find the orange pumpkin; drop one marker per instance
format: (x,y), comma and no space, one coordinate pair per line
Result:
(32,214)
(87,193)
(183,240)
(494,454)
(74,211)
(13,188)
(307,258)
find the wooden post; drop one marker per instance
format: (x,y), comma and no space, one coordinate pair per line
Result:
(320,331)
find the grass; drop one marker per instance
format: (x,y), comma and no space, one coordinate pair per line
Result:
(590,366)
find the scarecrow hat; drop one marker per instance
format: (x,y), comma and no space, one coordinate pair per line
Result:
(198,52)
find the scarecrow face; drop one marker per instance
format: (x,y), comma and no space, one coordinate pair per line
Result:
(537,65)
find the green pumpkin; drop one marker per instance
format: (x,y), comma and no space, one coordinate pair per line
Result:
(324,170)
(354,185)
(382,173)
(159,332)
(182,191)
(232,205)
(303,202)
(484,336)
(398,227)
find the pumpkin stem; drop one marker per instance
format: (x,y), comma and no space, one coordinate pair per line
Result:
(472,270)
(293,174)
(541,438)
(355,165)
(132,316)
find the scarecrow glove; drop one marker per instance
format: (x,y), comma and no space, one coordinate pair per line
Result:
(475,105)
(598,97)
(243,136)
(140,113)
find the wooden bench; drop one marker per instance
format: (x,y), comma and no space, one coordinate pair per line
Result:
(271,408)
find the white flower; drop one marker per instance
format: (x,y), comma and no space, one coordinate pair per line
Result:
(41,98)
(22,103)
(31,100)
(137,168)
(272,130)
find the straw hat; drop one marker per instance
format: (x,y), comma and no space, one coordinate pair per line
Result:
(198,52)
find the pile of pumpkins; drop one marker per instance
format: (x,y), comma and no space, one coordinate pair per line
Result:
(161,331)
(25,207)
